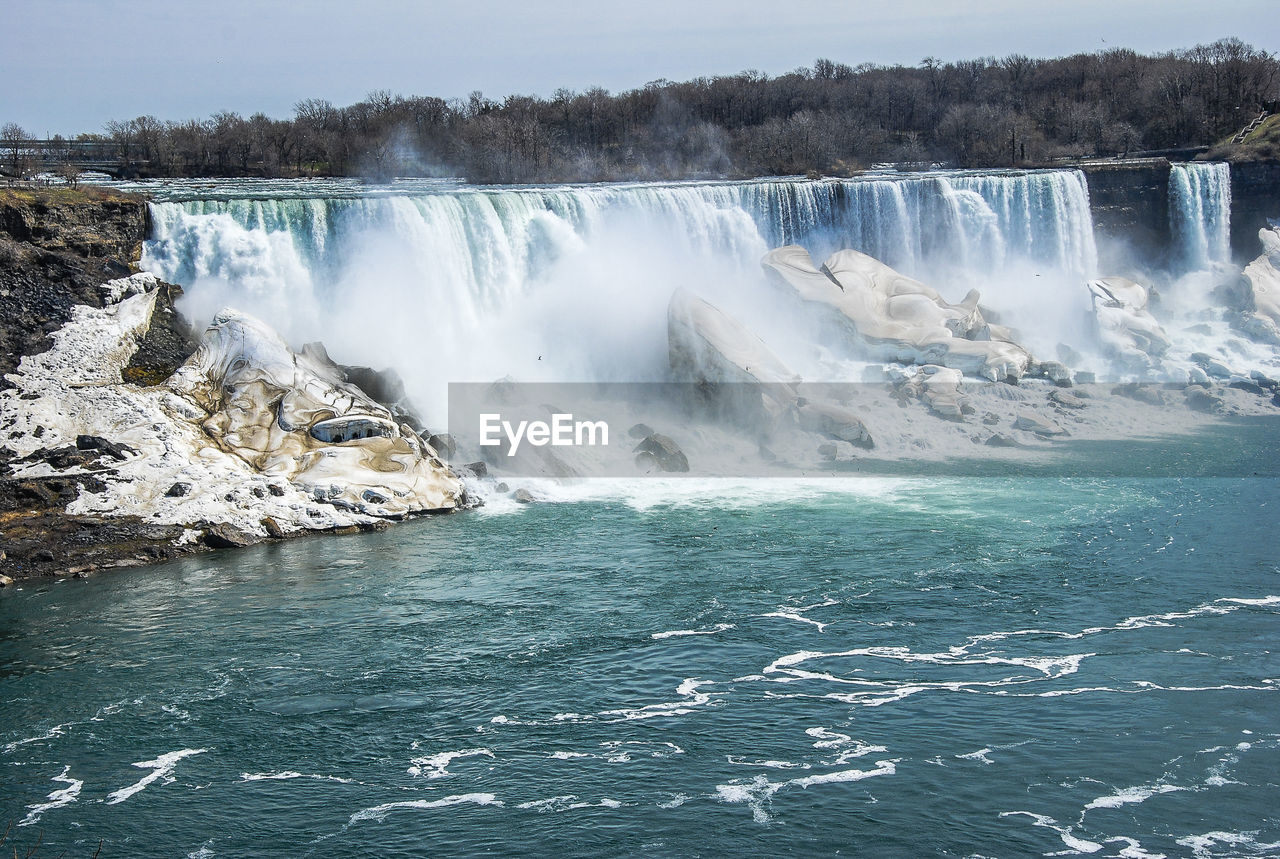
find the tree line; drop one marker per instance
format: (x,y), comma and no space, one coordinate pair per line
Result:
(830,119)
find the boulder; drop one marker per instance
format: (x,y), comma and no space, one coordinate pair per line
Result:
(665,452)
(1202,399)
(835,422)
(1038,424)
(1149,394)
(179,489)
(223,536)
(1065,400)
(837,451)
(523,496)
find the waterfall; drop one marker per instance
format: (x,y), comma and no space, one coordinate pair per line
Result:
(1200,213)
(490,243)
(571,282)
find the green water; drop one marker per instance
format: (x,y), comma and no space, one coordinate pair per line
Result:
(885,667)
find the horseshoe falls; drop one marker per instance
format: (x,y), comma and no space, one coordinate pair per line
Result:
(995,665)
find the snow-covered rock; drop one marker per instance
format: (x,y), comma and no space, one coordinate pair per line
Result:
(1262,279)
(896,318)
(1127,329)
(234,425)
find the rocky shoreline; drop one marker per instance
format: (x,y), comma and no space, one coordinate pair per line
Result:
(126,440)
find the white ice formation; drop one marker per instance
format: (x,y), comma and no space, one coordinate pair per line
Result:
(896,318)
(1127,329)
(1262,280)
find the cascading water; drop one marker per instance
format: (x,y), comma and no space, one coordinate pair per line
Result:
(572,282)
(1200,213)
(447,282)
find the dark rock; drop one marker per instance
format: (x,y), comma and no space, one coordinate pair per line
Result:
(1264,380)
(43,555)
(991,419)
(224,536)
(277,491)
(109,448)
(56,248)
(170,340)
(640,431)
(523,496)
(1249,386)
(37,492)
(272,527)
(502,487)
(443,444)
(479,469)
(1000,440)
(1067,401)
(178,490)
(666,452)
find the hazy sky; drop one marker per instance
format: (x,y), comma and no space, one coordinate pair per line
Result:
(71,65)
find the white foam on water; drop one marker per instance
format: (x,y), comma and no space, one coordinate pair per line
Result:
(758,793)
(680,633)
(1202,846)
(161,768)
(676,801)
(205,851)
(436,766)
(737,760)
(380,812)
(1132,849)
(1079,845)
(1132,796)
(623,751)
(979,755)
(57,799)
(568,802)
(288,775)
(797,613)
(688,690)
(55,731)
(643,494)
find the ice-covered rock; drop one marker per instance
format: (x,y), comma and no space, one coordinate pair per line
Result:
(211,432)
(896,318)
(292,416)
(1127,329)
(1261,314)
(939,389)
(706,345)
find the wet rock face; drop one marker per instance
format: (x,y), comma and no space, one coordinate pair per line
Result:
(56,247)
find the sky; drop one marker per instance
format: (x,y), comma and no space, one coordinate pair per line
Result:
(70,66)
